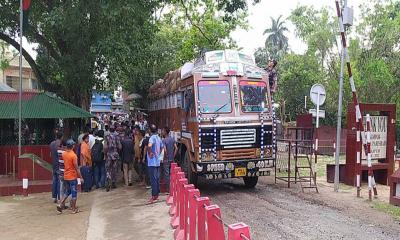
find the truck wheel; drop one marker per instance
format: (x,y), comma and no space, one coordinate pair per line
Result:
(187,166)
(250,182)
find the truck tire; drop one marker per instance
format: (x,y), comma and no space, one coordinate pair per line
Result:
(250,182)
(187,167)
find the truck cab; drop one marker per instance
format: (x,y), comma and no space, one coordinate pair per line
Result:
(227,124)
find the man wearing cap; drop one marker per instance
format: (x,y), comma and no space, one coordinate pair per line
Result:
(71,174)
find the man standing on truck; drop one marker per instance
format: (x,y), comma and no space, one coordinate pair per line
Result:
(272,75)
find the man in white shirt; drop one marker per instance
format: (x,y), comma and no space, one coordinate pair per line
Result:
(92,138)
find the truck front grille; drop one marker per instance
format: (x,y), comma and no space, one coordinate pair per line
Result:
(237,138)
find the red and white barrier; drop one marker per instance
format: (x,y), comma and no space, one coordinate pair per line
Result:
(238,231)
(193,216)
(371,179)
(170,198)
(214,227)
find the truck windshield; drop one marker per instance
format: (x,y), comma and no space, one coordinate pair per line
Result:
(215,96)
(252,95)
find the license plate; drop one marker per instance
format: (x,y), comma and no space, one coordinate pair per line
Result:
(240,172)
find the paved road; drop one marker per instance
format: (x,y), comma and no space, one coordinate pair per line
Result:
(125,214)
(120,214)
(274,212)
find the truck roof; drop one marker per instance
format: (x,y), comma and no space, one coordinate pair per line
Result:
(210,64)
(222,61)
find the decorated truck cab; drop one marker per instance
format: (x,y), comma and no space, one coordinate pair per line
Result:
(219,109)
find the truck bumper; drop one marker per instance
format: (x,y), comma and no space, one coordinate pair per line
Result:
(235,168)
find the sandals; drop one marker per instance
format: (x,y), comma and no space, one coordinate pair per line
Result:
(75,211)
(59,209)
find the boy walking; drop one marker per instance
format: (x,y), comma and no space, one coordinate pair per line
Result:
(71,174)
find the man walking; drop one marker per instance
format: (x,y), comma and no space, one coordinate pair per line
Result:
(112,146)
(71,174)
(171,150)
(98,160)
(137,139)
(154,149)
(60,153)
(54,145)
(127,157)
(143,158)
(86,164)
(91,138)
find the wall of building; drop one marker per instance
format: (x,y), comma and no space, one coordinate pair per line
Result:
(10,75)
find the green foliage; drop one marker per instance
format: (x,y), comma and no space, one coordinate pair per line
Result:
(317,28)
(374,52)
(4,63)
(109,43)
(276,43)
(184,30)
(297,74)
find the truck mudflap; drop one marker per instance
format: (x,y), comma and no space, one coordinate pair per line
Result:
(235,168)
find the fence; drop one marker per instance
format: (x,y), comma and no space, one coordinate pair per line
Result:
(11,164)
(194,217)
(295,163)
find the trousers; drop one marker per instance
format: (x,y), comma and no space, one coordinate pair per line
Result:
(99,174)
(111,169)
(154,173)
(55,189)
(127,167)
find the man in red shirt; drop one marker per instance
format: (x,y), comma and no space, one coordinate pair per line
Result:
(71,174)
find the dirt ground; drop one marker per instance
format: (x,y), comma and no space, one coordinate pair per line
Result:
(275,212)
(271,210)
(119,214)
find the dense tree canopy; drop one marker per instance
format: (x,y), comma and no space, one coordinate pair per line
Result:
(374,51)
(107,43)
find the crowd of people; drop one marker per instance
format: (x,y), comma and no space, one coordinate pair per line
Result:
(99,157)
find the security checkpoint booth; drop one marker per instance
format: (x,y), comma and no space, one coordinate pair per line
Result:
(42,114)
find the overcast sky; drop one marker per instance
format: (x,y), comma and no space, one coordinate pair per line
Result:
(259,19)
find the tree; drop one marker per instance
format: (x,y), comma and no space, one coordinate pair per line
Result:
(4,63)
(276,42)
(184,30)
(318,29)
(108,43)
(79,43)
(297,74)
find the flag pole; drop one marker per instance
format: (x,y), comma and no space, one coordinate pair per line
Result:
(20,80)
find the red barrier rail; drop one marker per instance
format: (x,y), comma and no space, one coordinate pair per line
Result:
(193,215)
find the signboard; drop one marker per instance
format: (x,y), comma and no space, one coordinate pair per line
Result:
(314,113)
(378,137)
(318,94)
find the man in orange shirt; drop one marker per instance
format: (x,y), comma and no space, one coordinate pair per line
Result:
(86,157)
(71,174)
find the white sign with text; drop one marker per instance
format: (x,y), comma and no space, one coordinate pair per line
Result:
(378,137)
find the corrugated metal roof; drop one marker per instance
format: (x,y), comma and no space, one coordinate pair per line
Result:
(38,105)
(4,87)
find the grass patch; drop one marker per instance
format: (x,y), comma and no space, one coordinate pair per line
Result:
(387,208)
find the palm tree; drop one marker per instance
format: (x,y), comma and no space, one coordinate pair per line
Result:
(276,35)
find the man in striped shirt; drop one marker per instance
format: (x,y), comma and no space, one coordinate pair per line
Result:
(60,151)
